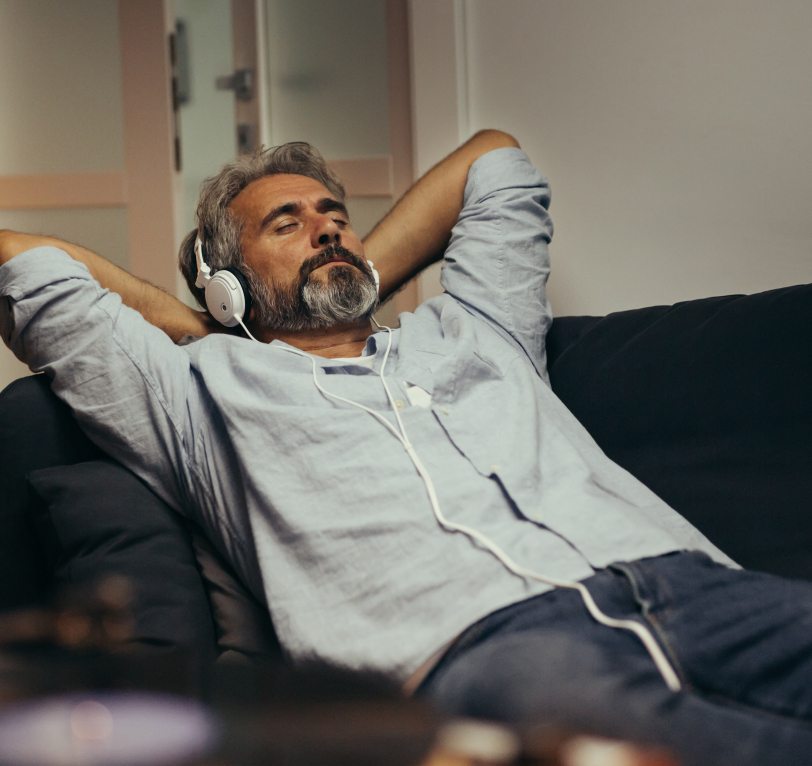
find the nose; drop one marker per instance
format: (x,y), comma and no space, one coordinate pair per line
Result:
(326,232)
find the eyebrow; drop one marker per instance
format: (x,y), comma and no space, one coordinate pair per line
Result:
(324,205)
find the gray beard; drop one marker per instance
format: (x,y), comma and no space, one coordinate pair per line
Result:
(347,295)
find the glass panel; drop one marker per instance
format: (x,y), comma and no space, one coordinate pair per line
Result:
(365,212)
(327,75)
(207,127)
(61,112)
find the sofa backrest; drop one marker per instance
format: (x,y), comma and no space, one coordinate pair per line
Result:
(708,403)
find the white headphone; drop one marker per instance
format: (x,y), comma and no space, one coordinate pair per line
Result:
(228,298)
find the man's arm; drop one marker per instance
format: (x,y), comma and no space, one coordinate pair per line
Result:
(415,232)
(497,262)
(160,308)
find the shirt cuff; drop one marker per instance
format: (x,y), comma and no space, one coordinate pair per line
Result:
(508,167)
(36,268)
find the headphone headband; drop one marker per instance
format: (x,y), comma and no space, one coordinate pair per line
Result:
(203,270)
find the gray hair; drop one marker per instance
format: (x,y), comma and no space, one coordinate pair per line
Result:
(218,228)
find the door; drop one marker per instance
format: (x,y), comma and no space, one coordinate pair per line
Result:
(216,94)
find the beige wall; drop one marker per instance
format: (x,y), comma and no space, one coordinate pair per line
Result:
(677,135)
(61,112)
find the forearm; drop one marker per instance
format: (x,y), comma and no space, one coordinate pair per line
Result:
(416,231)
(156,306)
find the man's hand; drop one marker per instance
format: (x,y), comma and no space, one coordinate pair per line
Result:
(163,310)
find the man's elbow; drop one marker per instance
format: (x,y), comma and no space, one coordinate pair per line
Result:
(494,138)
(7,249)
(13,243)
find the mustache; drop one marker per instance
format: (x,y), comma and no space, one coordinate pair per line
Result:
(328,255)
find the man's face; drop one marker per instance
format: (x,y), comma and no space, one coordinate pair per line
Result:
(303,259)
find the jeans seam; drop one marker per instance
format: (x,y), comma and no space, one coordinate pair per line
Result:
(653,623)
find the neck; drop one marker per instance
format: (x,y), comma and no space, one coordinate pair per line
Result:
(332,342)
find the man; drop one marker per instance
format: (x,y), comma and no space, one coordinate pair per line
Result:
(417,501)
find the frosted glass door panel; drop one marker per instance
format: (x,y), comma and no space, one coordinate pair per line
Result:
(327,75)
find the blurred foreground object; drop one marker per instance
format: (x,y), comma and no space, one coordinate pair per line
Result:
(131,728)
(93,616)
(480,743)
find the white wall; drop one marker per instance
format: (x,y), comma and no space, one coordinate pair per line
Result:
(677,136)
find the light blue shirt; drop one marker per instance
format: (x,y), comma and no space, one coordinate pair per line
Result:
(314,501)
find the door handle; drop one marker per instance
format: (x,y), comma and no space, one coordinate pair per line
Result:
(241,81)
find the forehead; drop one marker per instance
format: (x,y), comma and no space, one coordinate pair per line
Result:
(269,192)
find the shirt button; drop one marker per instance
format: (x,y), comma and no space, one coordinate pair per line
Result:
(495,468)
(400,404)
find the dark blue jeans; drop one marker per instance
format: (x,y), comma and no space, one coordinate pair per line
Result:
(740,641)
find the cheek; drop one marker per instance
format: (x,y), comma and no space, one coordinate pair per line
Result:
(276,265)
(353,243)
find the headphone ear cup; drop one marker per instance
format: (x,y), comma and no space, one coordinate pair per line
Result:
(375,276)
(228,297)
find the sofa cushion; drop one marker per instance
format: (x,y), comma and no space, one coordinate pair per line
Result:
(242,625)
(708,403)
(98,519)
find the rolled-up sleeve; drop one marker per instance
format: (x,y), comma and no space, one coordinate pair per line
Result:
(124,379)
(497,261)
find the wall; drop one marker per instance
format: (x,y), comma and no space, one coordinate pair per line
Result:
(677,136)
(61,114)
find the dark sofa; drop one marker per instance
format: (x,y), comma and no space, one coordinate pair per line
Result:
(707,402)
